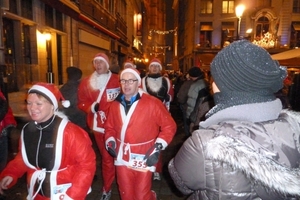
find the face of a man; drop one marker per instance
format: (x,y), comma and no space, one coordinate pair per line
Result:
(129,90)
(39,108)
(100,66)
(154,69)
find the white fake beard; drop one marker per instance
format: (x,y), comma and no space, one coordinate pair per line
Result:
(98,81)
(154,83)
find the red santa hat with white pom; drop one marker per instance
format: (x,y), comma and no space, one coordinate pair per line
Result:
(129,63)
(50,92)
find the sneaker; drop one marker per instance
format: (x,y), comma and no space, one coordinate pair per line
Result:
(106,195)
(156,176)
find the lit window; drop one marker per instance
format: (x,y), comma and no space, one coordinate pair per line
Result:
(228,7)
(206,6)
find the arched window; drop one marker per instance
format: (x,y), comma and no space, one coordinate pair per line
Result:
(262,27)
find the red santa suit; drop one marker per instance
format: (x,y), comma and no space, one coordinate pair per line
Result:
(146,123)
(69,170)
(90,92)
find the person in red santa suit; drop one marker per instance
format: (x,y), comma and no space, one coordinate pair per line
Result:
(138,127)
(7,123)
(95,94)
(160,87)
(56,154)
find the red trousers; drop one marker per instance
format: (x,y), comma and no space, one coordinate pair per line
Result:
(107,161)
(134,185)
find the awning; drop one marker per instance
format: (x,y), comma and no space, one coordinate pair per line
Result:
(296,27)
(294,53)
(229,27)
(206,28)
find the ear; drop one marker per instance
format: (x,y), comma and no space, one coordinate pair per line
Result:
(215,87)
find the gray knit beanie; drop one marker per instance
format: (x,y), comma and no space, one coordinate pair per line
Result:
(246,67)
(245,73)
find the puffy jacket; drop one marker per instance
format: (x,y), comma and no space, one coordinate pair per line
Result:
(243,153)
(193,93)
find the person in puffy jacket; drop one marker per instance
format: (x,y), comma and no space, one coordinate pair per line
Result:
(248,147)
(56,155)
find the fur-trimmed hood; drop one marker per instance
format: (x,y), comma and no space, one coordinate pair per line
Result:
(241,160)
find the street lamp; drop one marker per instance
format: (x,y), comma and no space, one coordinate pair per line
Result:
(239,13)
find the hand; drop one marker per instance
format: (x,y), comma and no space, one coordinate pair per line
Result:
(4,183)
(152,155)
(96,107)
(111,148)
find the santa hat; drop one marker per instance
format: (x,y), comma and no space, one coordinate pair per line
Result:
(156,61)
(50,92)
(129,63)
(134,71)
(103,57)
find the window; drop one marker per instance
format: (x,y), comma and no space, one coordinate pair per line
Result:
(228,7)
(111,6)
(262,27)
(227,32)
(206,6)
(27,9)
(205,34)
(295,34)
(296,6)
(54,18)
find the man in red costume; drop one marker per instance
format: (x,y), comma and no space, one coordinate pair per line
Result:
(138,127)
(160,87)
(95,94)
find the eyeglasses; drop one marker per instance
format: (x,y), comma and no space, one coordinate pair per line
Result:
(129,81)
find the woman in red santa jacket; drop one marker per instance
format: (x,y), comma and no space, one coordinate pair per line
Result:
(138,127)
(95,94)
(56,154)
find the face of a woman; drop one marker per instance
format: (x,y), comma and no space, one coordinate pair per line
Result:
(39,108)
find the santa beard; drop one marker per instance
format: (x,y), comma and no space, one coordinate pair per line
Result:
(98,81)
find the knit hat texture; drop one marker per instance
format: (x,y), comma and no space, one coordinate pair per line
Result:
(195,72)
(134,71)
(103,57)
(74,73)
(50,92)
(246,67)
(156,61)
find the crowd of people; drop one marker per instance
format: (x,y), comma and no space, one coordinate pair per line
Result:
(241,141)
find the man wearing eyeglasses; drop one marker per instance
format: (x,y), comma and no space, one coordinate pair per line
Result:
(137,128)
(95,94)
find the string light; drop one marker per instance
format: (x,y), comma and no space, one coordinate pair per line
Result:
(266,42)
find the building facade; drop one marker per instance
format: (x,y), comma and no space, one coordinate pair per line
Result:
(41,38)
(206,26)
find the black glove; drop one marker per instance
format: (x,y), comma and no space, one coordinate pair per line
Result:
(152,155)
(111,148)
(96,107)
(167,98)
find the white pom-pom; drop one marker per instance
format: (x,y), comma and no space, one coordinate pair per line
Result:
(66,103)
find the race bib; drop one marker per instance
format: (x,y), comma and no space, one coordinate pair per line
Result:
(112,94)
(136,162)
(59,191)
